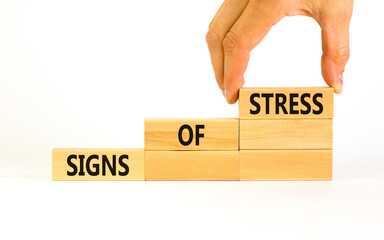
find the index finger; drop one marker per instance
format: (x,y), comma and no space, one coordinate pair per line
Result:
(224,19)
(246,34)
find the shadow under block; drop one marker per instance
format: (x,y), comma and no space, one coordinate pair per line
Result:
(285,164)
(97,164)
(191,134)
(312,102)
(192,165)
(286,134)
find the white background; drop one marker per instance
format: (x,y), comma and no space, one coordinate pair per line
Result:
(82,73)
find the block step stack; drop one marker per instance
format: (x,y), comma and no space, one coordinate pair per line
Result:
(281,134)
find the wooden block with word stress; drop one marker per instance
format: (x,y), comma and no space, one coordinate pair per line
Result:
(191,134)
(97,164)
(286,134)
(286,165)
(311,102)
(192,165)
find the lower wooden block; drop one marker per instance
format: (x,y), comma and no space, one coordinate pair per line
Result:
(97,164)
(286,165)
(192,165)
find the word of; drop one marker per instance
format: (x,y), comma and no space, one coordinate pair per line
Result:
(190,131)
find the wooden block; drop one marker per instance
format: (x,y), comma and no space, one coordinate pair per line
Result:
(286,134)
(286,103)
(286,165)
(192,165)
(97,164)
(191,134)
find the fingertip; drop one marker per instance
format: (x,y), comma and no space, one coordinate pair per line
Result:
(338,88)
(231,97)
(333,74)
(336,83)
(225,95)
(223,92)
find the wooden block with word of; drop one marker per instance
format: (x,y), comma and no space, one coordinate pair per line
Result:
(286,165)
(316,102)
(192,165)
(191,134)
(97,164)
(286,134)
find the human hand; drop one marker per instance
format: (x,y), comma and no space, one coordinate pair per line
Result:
(240,25)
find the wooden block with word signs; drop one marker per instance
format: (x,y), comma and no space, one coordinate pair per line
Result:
(191,134)
(97,164)
(286,165)
(316,102)
(286,134)
(192,165)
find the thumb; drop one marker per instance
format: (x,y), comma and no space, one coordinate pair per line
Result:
(335,44)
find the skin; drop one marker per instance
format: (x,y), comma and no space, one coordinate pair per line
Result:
(240,25)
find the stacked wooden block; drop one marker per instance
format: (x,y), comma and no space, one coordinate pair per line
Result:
(286,133)
(281,134)
(191,149)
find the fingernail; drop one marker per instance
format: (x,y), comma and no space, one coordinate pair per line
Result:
(339,84)
(226,95)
